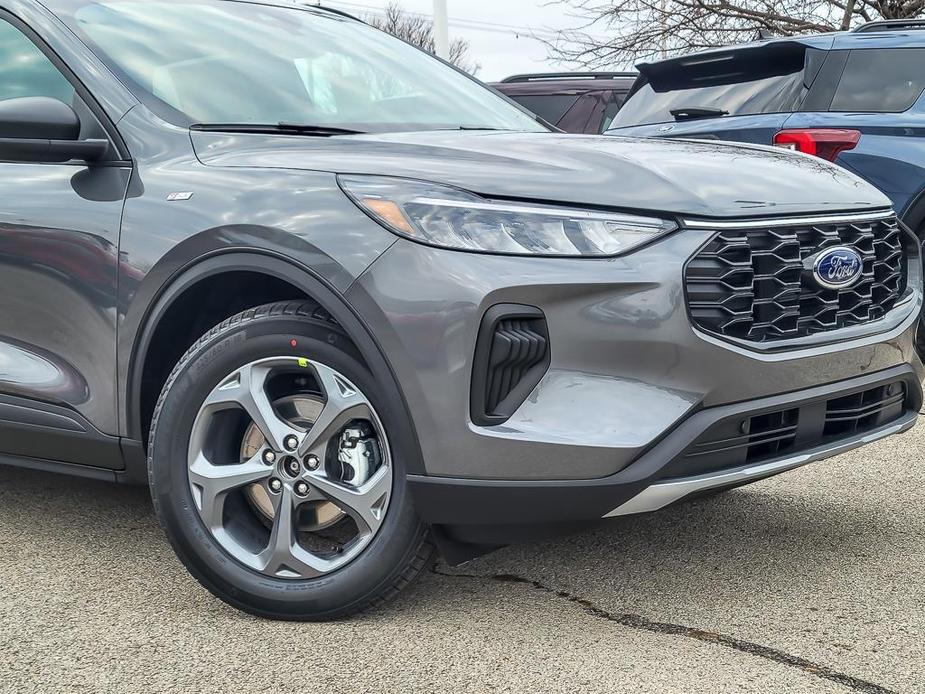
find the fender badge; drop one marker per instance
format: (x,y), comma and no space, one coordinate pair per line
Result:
(177,197)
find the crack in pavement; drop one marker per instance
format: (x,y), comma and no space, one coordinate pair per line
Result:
(634,621)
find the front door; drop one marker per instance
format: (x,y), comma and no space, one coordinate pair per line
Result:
(59,238)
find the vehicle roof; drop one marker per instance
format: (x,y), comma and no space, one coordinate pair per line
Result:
(566,82)
(54,5)
(836,40)
(906,38)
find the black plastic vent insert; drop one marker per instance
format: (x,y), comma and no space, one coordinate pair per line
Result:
(745,439)
(865,410)
(511,356)
(739,441)
(752,284)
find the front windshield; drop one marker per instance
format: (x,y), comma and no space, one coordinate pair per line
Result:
(226,62)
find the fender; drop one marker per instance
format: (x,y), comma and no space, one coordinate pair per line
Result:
(914,214)
(271,264)
(914,218)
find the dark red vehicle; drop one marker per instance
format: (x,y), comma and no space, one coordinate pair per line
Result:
(576,102)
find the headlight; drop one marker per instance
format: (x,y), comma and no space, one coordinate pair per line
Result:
(448,217)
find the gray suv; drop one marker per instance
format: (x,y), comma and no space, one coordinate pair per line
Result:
(340,304)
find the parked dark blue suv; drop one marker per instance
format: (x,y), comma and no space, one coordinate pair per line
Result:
(854,98)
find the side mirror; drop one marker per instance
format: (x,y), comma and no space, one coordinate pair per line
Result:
(40,129)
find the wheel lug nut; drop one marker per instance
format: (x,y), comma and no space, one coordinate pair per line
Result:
(312,462)
(275,485)
(291,442)
(269,457)
(301,489)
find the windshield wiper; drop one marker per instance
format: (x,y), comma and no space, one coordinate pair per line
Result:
(481,127)
(472,128)
(694,112)
(276,129)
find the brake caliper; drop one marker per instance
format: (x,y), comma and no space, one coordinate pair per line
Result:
(358,454)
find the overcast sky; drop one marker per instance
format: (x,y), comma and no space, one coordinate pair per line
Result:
(500,32)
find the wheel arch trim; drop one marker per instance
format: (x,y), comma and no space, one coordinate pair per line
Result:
(303,278)
(913,213)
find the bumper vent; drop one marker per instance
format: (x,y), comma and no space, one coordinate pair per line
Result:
(747,439)
(865,410)
(512,354)
(741,441)
(751,284)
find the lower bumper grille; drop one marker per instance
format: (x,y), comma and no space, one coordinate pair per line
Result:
(738,441)
(864,411)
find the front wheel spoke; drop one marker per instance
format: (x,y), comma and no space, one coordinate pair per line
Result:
(365,504)
(343,404)
(246,388)
(214,482)
(283,552)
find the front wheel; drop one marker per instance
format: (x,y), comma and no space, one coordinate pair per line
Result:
(273,472)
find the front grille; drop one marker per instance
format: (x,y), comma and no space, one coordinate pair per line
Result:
(746,439)
(751,284)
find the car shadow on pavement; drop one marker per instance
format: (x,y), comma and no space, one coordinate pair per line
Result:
(702,545)
(739,570)
(722,546)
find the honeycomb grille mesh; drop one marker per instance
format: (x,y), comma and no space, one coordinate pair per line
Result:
(751,283)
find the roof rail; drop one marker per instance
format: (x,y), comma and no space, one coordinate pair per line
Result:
(890,25)
(540,76)
(316,5)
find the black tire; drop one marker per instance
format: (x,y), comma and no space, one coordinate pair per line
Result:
(394,557)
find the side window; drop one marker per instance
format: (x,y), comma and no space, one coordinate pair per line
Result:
(610,112)
(26,71)
(550,107)
(883,80)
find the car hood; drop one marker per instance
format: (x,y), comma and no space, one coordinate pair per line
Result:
(676,176)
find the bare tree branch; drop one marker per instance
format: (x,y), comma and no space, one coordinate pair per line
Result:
(419,30)
(644,29)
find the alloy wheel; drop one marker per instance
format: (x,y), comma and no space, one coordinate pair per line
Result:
(314,485)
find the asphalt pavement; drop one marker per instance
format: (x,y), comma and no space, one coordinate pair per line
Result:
(813,581)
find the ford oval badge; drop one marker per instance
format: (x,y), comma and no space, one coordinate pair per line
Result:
(838,267)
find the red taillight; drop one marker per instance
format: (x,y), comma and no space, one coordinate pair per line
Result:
(827,143)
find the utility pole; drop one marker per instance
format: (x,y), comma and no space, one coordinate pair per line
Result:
(441,30)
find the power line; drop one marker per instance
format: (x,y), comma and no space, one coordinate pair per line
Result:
(473,24)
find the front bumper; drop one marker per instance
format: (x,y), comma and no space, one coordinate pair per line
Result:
(630,385)
(658,478)
(626,366)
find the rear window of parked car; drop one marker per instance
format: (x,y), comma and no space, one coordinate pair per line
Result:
(887,80)
(770,80)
